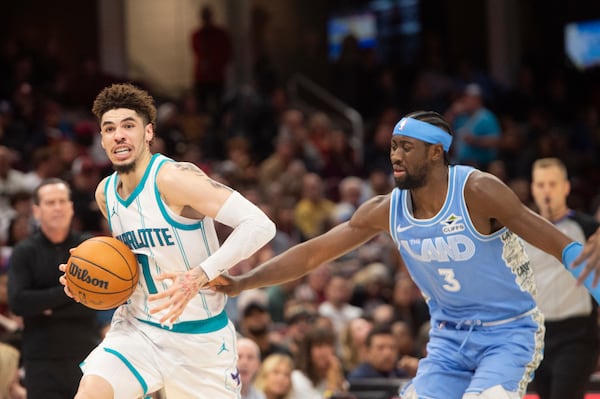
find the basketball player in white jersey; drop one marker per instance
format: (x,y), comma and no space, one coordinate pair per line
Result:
(456,229)
(163,210)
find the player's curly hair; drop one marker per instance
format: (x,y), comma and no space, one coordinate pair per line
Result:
(125,95)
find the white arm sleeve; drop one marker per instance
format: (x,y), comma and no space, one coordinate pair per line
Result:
(252,229)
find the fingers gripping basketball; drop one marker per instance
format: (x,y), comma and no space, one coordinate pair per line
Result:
(102,273)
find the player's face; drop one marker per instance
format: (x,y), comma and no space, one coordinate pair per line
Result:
(125,138)
(409,161)
(549,189)
(55,209)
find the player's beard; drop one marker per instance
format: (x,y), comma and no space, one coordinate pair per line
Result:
(125,168)
(413,180)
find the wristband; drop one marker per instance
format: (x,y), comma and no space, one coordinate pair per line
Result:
(569,254)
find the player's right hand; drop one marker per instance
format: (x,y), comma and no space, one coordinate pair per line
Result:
(226,284)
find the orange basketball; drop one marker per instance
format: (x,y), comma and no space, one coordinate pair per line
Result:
(102,273)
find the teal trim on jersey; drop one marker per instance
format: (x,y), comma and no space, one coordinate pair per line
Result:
(163,208)
(140,185)
(204,326)
(108,215)
(135,373)
(209,252)
(204,239)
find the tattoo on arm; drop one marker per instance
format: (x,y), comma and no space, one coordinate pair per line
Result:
(190,167)
(216,184)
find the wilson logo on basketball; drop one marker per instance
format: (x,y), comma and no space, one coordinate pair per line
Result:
(83,275)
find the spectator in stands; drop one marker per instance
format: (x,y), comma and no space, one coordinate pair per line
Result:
(271,168)
(274,376)
(353,348)
(381,356)
(212,50)
(350,197)
(299,318)
(319,372)
(477,130)
(248,364)
(20,228)
(256,324)
(313,212)
(336,306)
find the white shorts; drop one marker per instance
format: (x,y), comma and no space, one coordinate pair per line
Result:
(138,358)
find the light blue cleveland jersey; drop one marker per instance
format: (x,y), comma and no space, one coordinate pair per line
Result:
(162,242)
(463,274)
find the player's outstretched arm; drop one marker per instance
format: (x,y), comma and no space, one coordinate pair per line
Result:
(370,219)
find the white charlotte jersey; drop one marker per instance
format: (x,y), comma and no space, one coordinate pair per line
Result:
(162,242)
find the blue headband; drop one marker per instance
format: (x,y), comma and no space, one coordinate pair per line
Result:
(423,131)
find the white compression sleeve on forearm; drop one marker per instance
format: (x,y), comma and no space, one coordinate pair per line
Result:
(252,229)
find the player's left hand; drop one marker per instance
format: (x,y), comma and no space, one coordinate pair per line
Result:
(591,255)
(185,286)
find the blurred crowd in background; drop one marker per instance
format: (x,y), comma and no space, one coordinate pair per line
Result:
(302,170)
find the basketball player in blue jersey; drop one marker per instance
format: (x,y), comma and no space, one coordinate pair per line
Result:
(182,342)
(457,230)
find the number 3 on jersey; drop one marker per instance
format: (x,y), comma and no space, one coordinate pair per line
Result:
(452,283)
